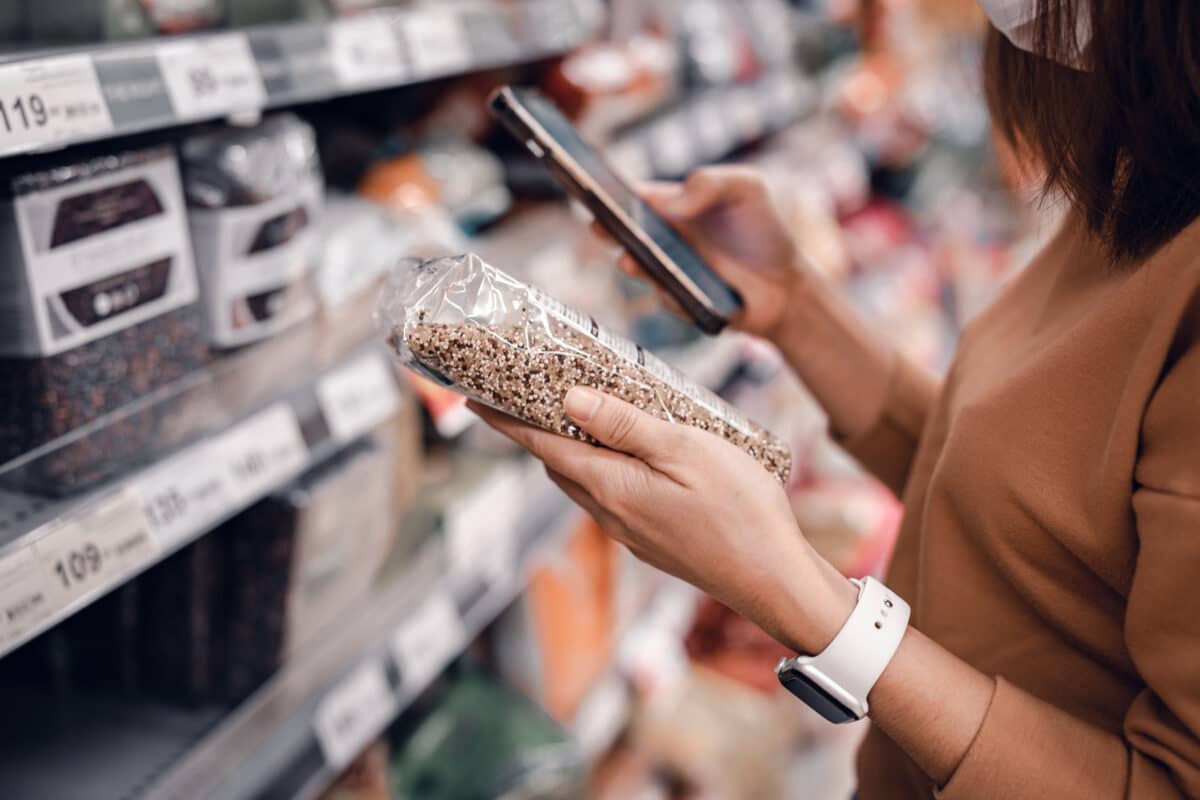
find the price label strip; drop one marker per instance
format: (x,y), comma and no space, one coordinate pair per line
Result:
(428,640)
(366,52)
(48,101)
(211,76)
(481,530)
(262,453)
(184,495)
(75,559)
(437,41)
(354,713)
(357,397)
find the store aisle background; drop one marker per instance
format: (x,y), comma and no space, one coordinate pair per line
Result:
(243,554)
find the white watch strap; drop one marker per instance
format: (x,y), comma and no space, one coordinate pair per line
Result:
(864,647)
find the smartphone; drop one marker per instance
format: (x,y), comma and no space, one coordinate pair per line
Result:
(665,256)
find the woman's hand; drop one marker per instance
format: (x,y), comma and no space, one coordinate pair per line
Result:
(726,214)
(691,504)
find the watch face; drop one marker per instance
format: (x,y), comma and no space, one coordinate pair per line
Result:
(816,698)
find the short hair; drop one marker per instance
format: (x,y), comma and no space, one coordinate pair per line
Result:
(1120,135)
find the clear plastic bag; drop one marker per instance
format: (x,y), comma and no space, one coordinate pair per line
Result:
(470,327)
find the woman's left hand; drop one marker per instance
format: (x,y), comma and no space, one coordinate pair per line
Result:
(694,505)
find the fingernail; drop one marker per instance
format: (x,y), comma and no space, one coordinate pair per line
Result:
(582,404)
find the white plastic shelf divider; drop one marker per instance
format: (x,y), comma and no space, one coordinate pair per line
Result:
(58,556)
(53,99)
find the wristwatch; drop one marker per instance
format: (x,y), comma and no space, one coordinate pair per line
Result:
(836,682)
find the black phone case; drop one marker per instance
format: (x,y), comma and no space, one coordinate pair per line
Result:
(704,317)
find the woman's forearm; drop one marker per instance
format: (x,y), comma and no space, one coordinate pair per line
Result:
(928,701)
(844,363)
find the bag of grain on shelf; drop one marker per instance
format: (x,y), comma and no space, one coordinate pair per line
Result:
(473,328)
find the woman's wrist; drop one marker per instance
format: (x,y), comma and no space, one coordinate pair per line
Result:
(808,608)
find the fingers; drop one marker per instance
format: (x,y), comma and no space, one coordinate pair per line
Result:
(623,427)
(711,187)
(581,498)
(582,463)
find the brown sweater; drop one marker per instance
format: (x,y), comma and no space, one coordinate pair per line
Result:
(1052,529)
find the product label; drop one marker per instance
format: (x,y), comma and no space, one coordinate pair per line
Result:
(481,529)
(48,101)
(211,76)
(437,41)
(712,127)
(428,640)
(73,560)
(576,319)
(262,453)
(354,713)
(366,51)
(254,262)
(185,494)
(104,254)
(357,397)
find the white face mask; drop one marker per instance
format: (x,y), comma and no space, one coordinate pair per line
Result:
(1017,20)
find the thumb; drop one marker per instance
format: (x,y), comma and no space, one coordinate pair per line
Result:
(621,426)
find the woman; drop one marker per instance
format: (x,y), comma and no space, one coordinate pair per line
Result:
(1051,545)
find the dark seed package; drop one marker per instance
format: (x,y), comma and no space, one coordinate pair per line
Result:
(98,310)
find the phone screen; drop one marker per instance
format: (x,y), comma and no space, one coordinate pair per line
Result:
(718,294)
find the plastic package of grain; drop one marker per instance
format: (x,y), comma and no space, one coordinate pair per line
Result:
(471,327)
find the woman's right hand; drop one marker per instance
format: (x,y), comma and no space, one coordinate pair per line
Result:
(726,214)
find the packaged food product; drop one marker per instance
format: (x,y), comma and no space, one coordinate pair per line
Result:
(255,198)
(482,739)
(70,20)
(98,310)
(303,557)
(558,638)
(470,326)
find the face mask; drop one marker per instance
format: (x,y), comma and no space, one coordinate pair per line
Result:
(1017,20)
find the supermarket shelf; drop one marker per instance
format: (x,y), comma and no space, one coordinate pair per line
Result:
(296,735)
(58,556)
(98,92)
(712,125)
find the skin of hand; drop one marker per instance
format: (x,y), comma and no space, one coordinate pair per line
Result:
(695,506)
(691,504)
(726,214)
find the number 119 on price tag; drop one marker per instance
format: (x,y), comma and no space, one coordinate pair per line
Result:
(50,100)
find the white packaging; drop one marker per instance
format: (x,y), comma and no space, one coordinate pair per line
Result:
(92,249)
(255,262)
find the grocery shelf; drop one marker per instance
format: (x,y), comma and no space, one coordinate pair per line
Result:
(95,92)
(296,734)
(711,125)
(59,555)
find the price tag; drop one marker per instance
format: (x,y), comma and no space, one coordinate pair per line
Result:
(631,160)
(602,716)
(365,51)
(211,76)
(357,397)
(748,115)
(74,559)
(261,453)
(184,495)
(50,100)
(672,143)
(481,535)
(712,128)
(354,713)
(428,640)
(437,42)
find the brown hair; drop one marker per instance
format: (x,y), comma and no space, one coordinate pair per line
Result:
(1120,136)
